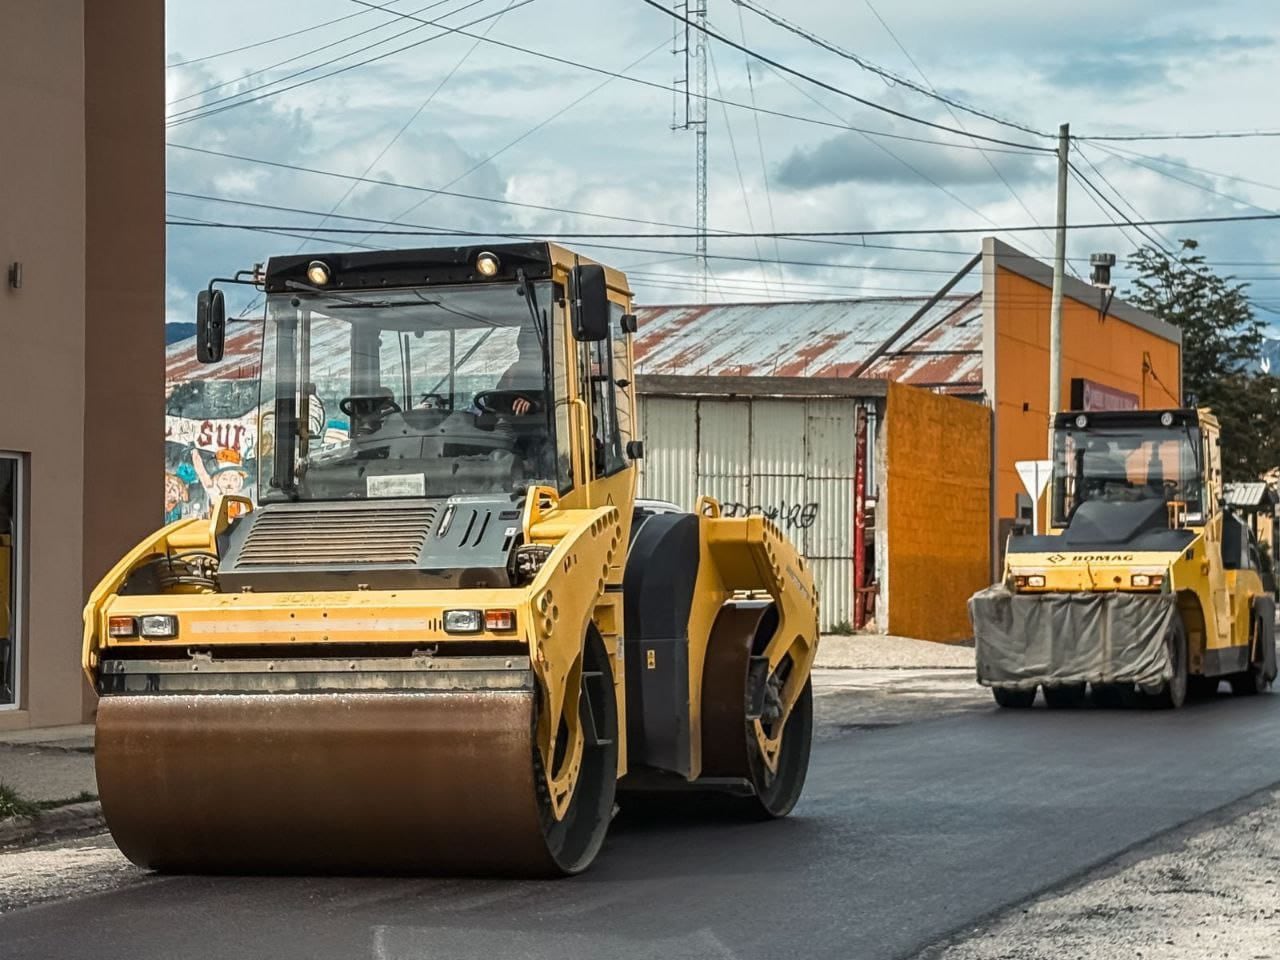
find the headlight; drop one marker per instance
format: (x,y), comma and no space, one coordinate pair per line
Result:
(158,626)
(318,273)
(463,621)
(1035,580)
(1146,580)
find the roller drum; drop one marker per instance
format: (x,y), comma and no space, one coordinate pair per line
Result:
(360,781)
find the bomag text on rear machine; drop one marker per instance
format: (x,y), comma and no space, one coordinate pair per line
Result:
(1147,587)
(446,638)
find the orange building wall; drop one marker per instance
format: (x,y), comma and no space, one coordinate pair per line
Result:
(1108,351)
(937,509)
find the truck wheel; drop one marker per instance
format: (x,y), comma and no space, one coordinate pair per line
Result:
(1066,696)
(1252,681)
(1174,694)
(1202,688)
(1014,698)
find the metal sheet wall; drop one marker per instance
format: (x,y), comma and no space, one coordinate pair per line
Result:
(792,459)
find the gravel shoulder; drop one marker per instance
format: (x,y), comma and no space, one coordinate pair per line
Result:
(1187,896)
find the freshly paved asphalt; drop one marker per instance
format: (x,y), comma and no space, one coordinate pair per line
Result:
(905,835)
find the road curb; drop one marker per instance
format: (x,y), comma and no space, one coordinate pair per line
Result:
(75,819)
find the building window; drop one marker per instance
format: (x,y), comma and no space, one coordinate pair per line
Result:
(10,582)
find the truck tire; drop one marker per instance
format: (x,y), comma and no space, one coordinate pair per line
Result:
(1254,680)
(1066,696)
(1013,698)
(1174,693)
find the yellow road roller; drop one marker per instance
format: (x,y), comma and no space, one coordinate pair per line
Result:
(1147,588)
(445,638)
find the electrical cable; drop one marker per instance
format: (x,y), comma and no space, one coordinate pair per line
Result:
(755,116)
(743,235)
(881,72)
(417,113)
(667,88)
(190,116)
(296,57)
(801,75)
(431,195)
(263,43)
(733,149)
(928,83)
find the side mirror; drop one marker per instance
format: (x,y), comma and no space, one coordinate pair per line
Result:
(211,326)
(590,303)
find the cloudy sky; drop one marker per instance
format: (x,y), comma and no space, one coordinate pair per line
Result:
(518,133)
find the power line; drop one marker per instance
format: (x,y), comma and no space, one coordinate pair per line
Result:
(991,163)
(829,87)
(669,89)
(1163,243)
(744,235)
(201,113)
(742,183)
(1187,166)
(417,113)
(431,195)
(894,156)
(639,221)
(1233,135)
(1099,200)
(263,43)
(755,116)
(296,57)
(1190,183)
(879,71)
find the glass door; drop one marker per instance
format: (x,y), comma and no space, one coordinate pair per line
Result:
(10,560)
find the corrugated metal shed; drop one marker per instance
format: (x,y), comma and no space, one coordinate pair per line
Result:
(825,338)
(1256,494)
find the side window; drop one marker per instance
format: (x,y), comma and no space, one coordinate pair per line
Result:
(621,375)
(560,359)
(595,373)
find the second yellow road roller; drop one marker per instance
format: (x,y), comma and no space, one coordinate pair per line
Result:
(444,637)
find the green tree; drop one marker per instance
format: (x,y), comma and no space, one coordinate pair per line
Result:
(1221,344)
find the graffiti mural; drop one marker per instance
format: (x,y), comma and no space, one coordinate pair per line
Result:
(788,516)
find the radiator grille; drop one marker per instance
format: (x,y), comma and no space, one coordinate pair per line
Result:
(329,534)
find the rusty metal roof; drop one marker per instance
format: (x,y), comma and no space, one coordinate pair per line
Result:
(1255,494)
(826,338)
(823,338)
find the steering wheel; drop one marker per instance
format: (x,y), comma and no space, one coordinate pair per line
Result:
(503,401)
(438,402)
(368,406)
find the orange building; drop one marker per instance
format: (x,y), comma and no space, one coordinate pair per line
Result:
(1119,356)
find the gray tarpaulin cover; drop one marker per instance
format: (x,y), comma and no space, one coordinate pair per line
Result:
(1027,639)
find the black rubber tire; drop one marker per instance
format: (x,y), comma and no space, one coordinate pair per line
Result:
(574,841)
(1251,682)
(1014,698)
(1200,687)
(1066,696)
(1174,694)
(1114,695)
(777,794)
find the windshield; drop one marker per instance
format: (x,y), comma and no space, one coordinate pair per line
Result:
(429,392)
(1126,464)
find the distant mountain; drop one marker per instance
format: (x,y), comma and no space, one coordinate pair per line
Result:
(1269,360)
(173,332)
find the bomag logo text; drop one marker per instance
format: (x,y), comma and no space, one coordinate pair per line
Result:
(1092,558)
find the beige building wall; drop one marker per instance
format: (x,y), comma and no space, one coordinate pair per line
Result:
(82,192)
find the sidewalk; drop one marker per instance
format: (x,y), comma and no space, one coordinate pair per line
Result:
(47,780)
(873,651)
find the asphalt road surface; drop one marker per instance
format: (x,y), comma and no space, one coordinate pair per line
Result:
(906,834)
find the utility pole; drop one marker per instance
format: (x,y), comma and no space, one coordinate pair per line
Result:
(694,83)
(699,12)
(1059,268)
